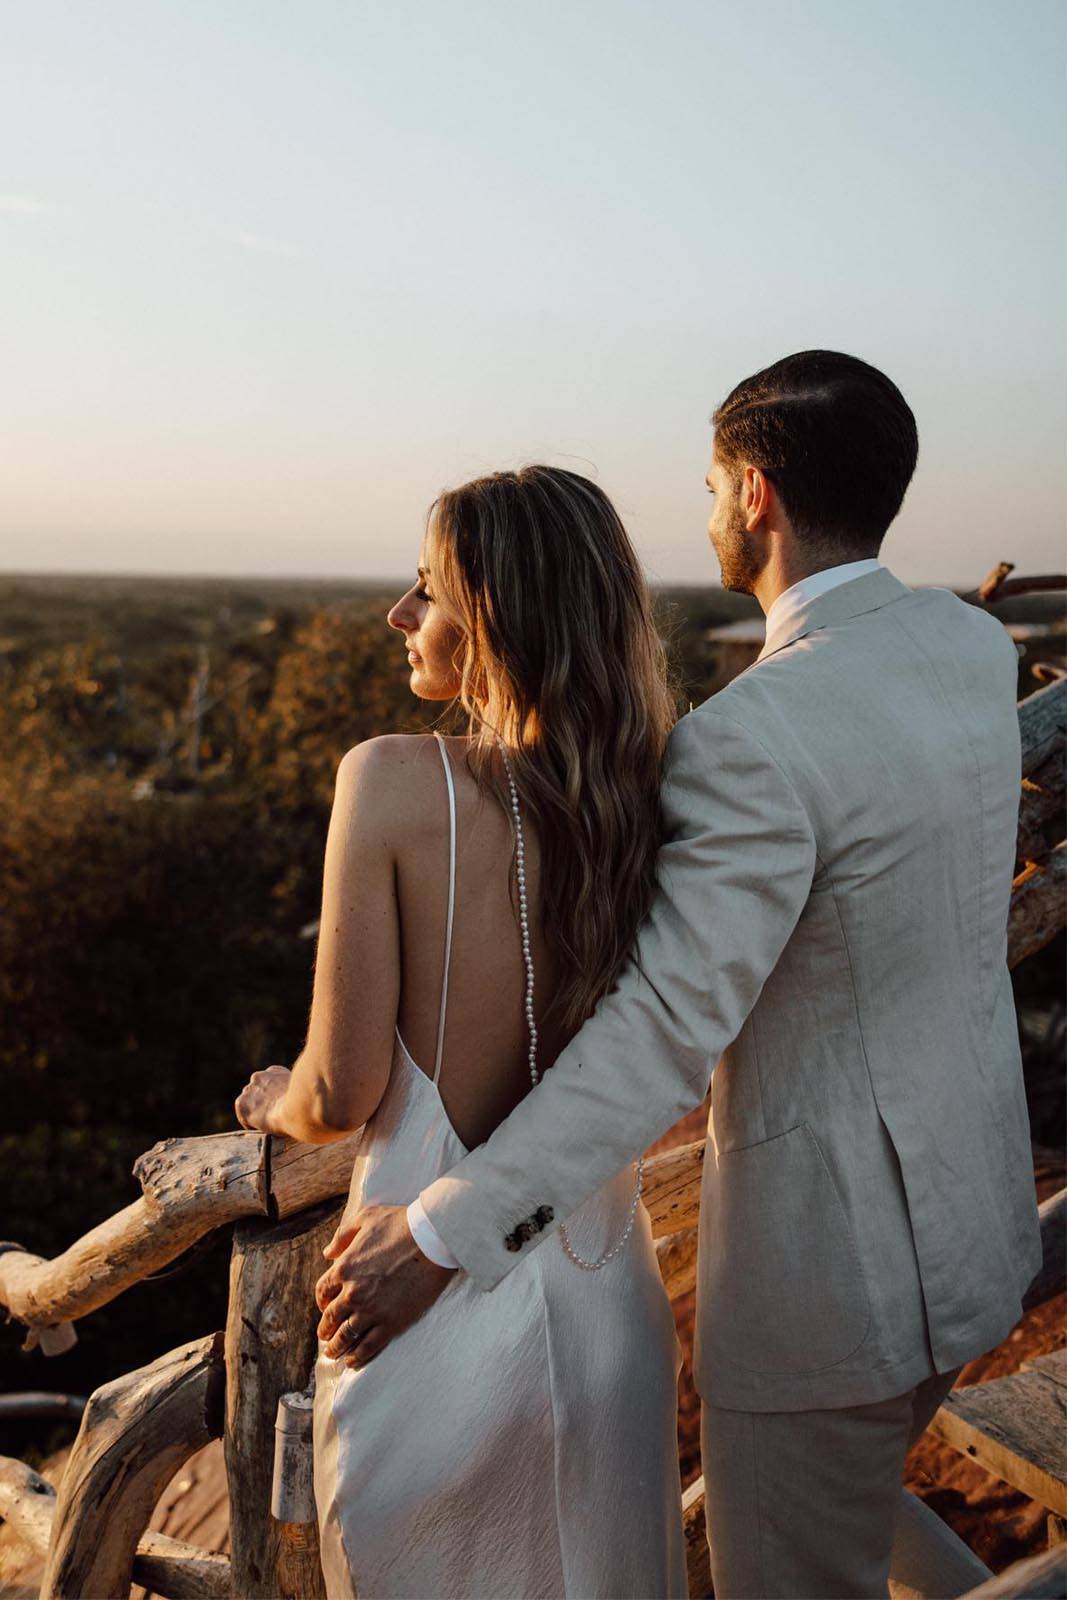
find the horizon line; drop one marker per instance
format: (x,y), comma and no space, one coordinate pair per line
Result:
(335,577)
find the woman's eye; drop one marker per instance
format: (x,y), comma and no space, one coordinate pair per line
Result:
(420,594)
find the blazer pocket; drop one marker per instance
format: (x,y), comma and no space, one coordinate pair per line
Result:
(781,1280)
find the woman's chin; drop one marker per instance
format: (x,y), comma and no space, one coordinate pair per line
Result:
(422,686)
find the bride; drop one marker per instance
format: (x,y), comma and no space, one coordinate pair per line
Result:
(480,895)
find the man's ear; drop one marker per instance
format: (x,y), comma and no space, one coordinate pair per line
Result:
(757,495)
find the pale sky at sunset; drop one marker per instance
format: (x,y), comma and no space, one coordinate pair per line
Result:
(274,274)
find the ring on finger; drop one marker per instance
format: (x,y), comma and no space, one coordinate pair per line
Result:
(351,1339)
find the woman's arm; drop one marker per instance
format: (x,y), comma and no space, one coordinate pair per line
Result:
(340,1075)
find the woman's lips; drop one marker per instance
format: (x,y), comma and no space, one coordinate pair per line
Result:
(414,657)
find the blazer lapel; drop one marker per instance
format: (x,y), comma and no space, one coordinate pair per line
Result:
(852,599)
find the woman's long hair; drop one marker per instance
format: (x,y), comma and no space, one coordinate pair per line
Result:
(560,656)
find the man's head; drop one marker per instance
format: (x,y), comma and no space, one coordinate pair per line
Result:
(817,449)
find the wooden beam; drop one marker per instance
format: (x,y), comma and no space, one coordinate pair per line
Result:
(1015,1427)
(137,1431)
(270,1351)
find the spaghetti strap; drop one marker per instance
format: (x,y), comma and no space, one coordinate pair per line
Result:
(451,902)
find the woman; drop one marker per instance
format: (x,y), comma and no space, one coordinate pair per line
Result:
(519,1443)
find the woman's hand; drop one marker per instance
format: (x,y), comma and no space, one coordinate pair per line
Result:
(258,1098)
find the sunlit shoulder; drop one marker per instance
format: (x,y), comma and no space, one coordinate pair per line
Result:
(386,781)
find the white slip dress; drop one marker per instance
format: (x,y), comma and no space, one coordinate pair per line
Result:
(517,1443)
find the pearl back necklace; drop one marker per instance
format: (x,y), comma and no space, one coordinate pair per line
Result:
(531,1028)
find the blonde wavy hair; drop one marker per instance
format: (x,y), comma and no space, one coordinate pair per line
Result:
(560,656)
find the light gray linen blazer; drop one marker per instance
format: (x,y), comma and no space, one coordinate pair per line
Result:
(830,920)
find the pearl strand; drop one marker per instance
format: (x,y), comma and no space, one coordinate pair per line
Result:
(531,1027)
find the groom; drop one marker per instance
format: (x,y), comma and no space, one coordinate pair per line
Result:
(827,946)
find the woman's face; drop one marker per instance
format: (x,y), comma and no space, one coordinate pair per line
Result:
(431,630)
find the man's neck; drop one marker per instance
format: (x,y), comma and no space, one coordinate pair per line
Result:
(781,574)
(786,568)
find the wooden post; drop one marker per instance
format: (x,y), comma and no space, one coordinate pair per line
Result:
(135,1434)
(270,1351)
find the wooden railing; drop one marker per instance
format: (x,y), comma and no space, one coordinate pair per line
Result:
(283,1198)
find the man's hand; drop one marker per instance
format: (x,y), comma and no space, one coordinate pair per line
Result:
(379,1284)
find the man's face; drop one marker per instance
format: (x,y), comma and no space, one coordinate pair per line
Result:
(739,555)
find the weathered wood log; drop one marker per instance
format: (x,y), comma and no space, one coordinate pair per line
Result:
(1042,725)
(991,583)
(697,1553)
(27,1503)
(997,585)
(1041,809)
(169,1567)
(1038,906)
(677,1257)
(136,1432)
(180,1571)
(1040,1577)
(270,1350)
(1052,1278)
(190,1187)
(672,1188)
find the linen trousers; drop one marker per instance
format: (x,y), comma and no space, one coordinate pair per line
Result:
(808,1505)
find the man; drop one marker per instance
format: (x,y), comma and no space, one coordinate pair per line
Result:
(830,921)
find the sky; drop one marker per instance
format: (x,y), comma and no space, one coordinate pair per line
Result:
(274,275)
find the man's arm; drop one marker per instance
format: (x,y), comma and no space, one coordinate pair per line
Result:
(733,875)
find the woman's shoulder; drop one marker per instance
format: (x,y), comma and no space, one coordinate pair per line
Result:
(396,776)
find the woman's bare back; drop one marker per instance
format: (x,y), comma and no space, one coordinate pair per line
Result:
(484,1067)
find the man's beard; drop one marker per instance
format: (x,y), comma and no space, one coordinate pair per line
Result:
(738,556)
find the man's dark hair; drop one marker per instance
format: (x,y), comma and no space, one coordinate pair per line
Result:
(836,438)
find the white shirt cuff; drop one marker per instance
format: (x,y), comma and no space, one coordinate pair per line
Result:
(427,1237)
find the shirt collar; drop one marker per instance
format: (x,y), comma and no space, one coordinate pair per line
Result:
(792,601)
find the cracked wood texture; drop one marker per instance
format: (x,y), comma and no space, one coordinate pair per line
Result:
(270,1351)
(135,1434)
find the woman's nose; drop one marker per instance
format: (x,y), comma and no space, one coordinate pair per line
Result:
(398,616)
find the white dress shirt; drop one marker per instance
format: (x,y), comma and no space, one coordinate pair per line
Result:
(788,602)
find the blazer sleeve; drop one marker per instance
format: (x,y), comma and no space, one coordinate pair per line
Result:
(733,874)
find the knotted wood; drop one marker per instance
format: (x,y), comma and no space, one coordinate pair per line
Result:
(270,1350)
(135,1434)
